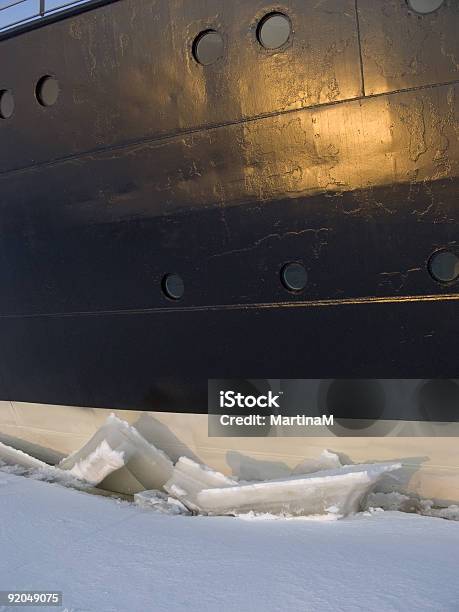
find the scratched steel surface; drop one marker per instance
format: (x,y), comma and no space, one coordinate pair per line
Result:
(150,163)
(401,49)
(127,72)
(361,192)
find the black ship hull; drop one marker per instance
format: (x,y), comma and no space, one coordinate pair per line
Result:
(338,151)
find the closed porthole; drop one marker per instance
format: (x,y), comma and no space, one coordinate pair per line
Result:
(208,47)
(444,266)
(424,6)
(47,90)
(274,31)
(6,104)
(173,286)
(294,277)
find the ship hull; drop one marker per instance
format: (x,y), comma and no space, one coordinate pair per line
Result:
(336,152)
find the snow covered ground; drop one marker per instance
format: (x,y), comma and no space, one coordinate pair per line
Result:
(107,555)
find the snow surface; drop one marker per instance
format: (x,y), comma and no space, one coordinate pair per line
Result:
(112,556)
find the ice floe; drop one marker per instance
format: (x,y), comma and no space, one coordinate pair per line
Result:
(119,459)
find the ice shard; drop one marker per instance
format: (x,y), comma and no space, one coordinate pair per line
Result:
(190,478)
(120,458)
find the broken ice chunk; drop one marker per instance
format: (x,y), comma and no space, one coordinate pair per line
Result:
(189,478)
(250,468)
(14,456)
(97,465)
(339,492)
(451,512)
(142,464)
(388,501)
(326,461)
(159,502)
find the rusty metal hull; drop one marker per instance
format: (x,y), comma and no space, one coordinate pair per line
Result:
(339,151)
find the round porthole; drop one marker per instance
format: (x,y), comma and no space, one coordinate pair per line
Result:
(6,104)
(173,286)
(424,6)
(274,30)
(294,276)
(208,47)
(47,91)
(444,266)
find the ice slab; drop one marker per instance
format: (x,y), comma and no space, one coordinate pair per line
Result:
(98,464)
(326,461)
(160,502)
(13,456)
(14,461)
(246,467)
(190,478)
(336,492)
(117,449)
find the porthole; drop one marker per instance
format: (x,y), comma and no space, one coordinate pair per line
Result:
(294,276)
(6,104)
(208,47)
(47,90)
(274,30)
(444,266)
(173,286)
(424,6)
